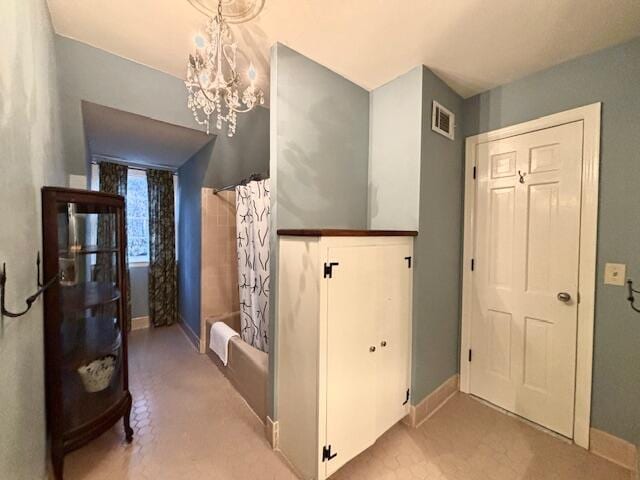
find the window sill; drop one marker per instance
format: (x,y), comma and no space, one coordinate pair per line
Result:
(142,264)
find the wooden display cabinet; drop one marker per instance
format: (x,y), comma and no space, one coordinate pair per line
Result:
(85,332)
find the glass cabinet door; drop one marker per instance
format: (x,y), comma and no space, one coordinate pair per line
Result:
(90,311)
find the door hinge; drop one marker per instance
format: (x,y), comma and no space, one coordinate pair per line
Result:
(328,269)
(408,259)
(406,400)
(326,453)
(474,173)
(473,264)
(470,354)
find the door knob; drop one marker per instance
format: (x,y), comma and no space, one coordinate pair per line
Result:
(564,297)
(383,343)
(372,349)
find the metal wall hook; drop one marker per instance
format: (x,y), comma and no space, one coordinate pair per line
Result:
(38,280)
(631,298)
(30,300)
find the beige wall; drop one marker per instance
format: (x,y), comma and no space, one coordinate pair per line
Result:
(31,157)
(219,287)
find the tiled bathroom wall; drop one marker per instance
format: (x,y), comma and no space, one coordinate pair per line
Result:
(219,286)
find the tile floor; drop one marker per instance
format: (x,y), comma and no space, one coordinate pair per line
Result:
(190,423)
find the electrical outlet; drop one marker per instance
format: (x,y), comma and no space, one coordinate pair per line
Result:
(614,274)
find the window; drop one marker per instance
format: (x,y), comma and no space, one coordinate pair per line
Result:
(138,211)
(137,216)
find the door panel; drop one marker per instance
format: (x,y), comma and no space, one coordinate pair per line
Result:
(394,307)
(502,205)
(526,252)
(351,366)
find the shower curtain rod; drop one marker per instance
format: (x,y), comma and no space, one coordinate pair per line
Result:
(251,178)
(134,166)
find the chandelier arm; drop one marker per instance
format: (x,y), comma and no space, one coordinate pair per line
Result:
(238,110)
(232,64)
(203,90)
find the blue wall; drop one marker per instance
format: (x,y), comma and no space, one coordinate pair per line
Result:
(321,142)
(91,74)
(319,157)
(221,162)
(88,73)
(437,248)
(612,77)
(395,145)
(190,178)
(31,156)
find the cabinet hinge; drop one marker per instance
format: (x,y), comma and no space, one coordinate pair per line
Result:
(326,453)
(474,173)
(470,354)
(473,264)
(408,259)
(328,269)
(406,400)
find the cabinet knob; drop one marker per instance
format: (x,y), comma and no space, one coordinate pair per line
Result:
(372,349)
(383,343)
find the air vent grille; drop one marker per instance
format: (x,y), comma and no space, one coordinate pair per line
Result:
(442,121)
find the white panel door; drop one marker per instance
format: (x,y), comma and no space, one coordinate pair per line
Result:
(351,363)
(525,283)
(394,337)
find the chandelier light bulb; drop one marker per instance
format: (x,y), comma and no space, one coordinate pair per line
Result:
(215,91)
(199,41)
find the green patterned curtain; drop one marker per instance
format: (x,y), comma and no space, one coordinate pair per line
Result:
(163,297)
(113,179)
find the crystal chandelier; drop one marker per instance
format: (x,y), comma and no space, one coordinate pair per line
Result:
(213,81)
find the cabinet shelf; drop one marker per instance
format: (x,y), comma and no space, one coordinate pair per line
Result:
(89,250)
(87,295)
(88,339)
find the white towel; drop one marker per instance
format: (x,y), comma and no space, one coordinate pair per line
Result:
(221,333)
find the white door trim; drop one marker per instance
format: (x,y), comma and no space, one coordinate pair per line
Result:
(590,115)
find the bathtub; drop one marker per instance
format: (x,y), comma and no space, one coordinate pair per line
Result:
(247,367)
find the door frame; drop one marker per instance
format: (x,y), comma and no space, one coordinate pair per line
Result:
(590,116)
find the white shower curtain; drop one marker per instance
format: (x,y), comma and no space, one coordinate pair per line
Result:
(252,223)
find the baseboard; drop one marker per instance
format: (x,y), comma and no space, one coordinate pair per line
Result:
(614,449)
(432,402)
(271,430)
(189,333)
(140,323)
(202,344)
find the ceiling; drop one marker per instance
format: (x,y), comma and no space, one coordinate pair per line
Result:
(138,140)
(473,45)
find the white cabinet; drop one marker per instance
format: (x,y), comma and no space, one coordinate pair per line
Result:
(344,345)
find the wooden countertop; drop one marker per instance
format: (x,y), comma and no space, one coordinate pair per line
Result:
(338,232)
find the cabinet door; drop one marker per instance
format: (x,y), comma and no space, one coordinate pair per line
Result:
(394,334)
(351,365)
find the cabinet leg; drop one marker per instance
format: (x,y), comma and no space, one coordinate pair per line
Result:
(57,462)
(127,423)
